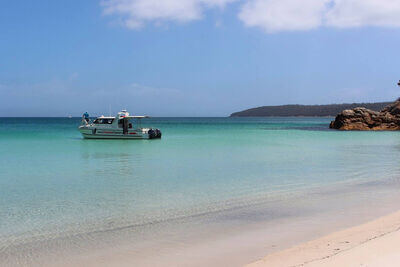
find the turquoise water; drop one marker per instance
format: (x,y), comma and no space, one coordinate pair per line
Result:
(54,183)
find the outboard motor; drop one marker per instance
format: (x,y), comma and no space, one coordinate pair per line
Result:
(154,133)
(158,133)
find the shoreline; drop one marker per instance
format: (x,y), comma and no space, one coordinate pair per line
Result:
(375,243)
(230,238)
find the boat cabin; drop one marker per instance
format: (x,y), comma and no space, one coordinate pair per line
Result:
(123,120)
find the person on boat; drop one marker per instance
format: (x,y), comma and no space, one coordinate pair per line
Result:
(86,116)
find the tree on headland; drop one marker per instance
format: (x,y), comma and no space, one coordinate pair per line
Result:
(398,85)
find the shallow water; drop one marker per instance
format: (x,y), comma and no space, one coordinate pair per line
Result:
(56,185)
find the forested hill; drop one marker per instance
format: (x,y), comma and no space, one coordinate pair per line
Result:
(305,110)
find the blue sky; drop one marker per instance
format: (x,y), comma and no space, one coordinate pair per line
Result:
(194,57)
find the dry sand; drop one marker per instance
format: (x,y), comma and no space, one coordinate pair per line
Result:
(376,243)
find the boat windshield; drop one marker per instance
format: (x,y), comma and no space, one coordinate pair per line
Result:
(103,121)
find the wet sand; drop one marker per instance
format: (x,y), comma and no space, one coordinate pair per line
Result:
(376,243)
(233,237)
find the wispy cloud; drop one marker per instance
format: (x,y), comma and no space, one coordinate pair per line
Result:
(136,13)
(358,13)
(270,15)
(61,95)
(292,15)
(283,15)
(138,92)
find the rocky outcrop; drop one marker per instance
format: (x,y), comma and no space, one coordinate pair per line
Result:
(362,119)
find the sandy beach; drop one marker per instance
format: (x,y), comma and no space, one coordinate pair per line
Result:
(376,243)
(199,133)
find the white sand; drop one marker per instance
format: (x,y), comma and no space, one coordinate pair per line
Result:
(376,243)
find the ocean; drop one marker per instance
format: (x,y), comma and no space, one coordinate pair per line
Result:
(205,179)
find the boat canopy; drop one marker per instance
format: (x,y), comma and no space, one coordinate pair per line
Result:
(137,117)
(123,116)
(103,117)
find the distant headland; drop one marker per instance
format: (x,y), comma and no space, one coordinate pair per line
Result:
(306,110)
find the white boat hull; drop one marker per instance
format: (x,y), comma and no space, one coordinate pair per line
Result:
(107,136)
(88,133)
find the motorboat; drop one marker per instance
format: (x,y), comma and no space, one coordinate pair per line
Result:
(123,126)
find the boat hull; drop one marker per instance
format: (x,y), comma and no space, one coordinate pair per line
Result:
(107,134)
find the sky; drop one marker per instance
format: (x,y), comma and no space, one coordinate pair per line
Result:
(194,57)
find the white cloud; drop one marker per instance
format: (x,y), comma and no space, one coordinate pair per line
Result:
(135,13)
(270,15)
(281,15)
(357,13)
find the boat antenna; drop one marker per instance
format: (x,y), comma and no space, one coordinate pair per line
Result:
(109,109)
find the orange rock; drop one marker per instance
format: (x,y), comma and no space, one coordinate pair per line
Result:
(362,119)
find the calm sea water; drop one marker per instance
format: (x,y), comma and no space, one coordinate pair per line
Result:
(53,183)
